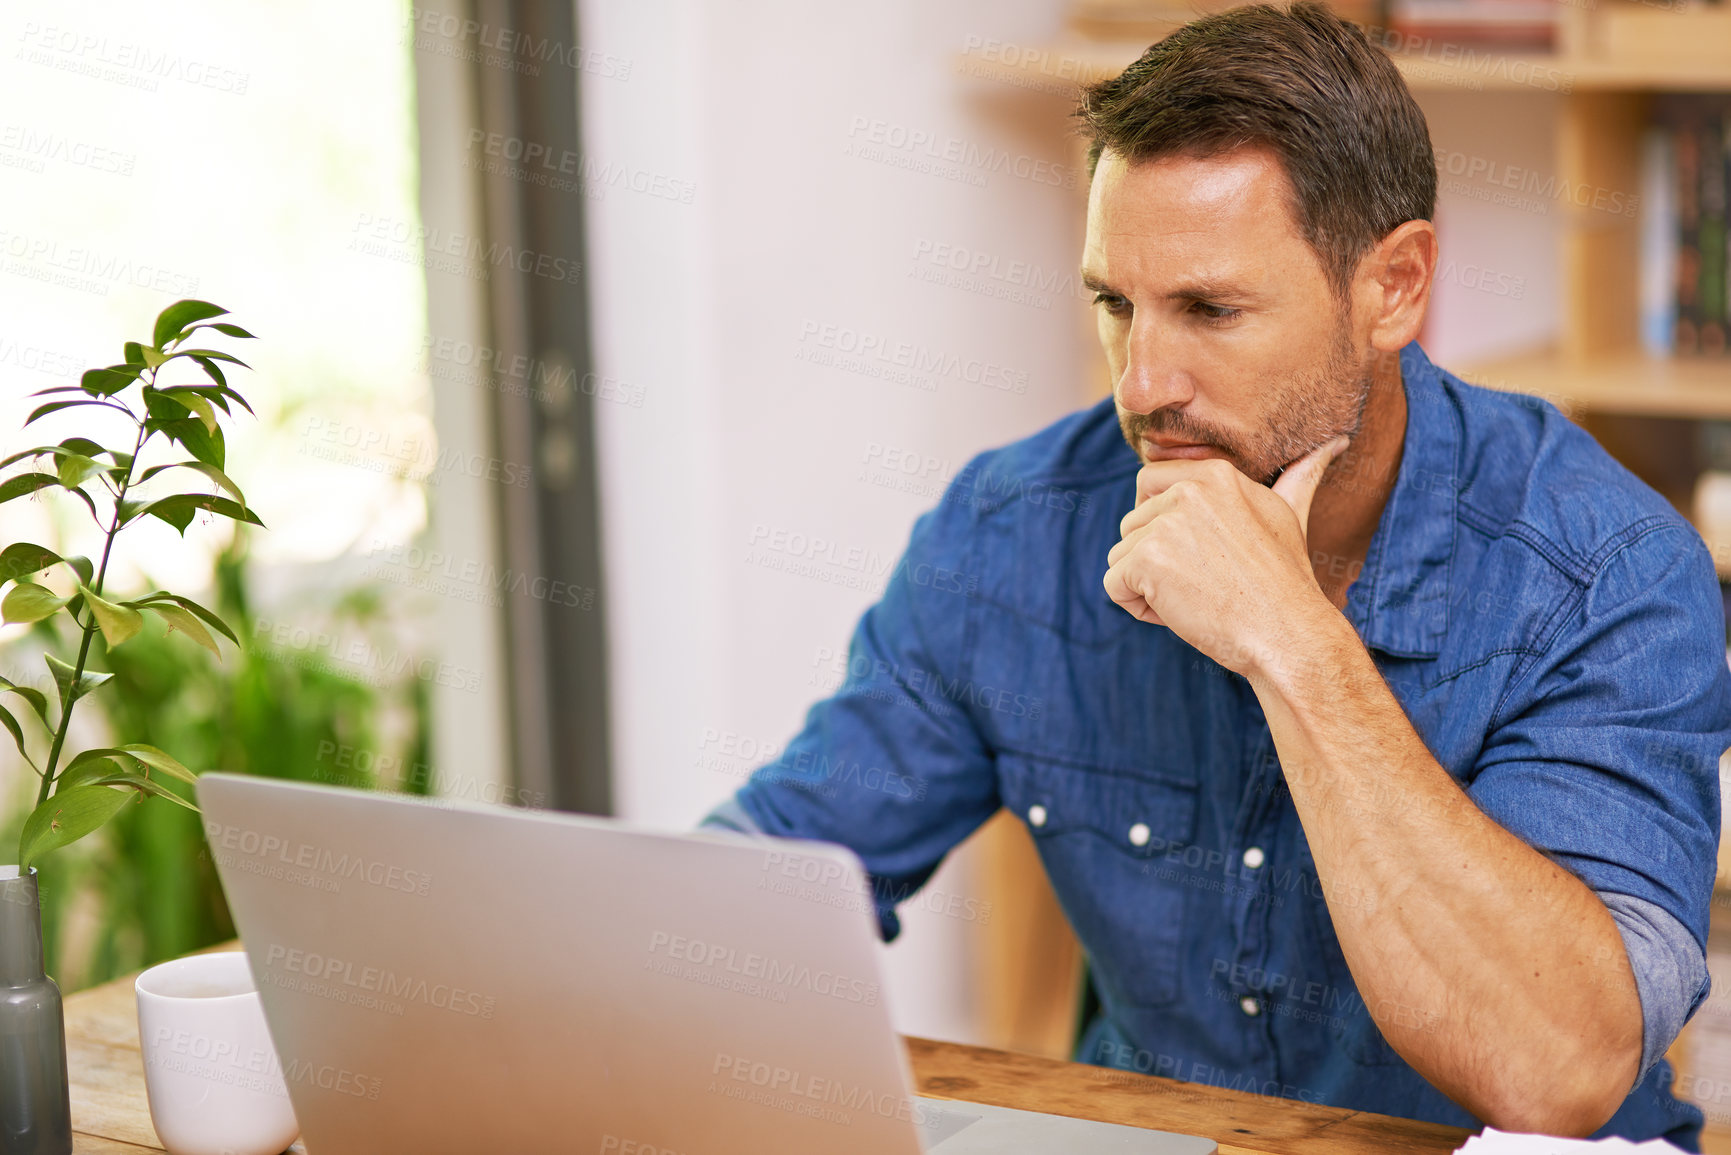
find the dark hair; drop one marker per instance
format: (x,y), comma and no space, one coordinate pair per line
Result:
(1299,81)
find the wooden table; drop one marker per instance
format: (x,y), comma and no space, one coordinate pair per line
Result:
(110,1115)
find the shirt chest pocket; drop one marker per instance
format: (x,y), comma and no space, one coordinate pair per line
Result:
(1103,838)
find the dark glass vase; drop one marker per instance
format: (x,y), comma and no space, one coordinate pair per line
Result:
(35,1109)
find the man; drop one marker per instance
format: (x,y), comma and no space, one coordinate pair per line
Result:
(1367,722)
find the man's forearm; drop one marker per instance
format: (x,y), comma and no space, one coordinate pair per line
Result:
(1497,974)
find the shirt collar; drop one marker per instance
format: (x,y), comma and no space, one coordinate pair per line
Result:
(1400,601)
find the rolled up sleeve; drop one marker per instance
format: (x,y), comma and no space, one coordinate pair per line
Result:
(1670,970)
(1608,760)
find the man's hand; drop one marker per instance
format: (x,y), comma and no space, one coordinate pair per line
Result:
(1216,558)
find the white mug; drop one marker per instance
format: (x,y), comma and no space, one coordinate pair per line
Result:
(213,1078)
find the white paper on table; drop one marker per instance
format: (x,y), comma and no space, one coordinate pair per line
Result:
(1494,1142)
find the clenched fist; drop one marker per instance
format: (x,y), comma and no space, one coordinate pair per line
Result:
(1218,559)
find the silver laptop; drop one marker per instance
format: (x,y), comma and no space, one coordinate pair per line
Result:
(443,978)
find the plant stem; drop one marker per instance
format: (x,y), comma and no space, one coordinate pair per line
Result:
(71,695)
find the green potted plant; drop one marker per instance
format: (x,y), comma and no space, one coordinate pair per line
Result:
(76,794)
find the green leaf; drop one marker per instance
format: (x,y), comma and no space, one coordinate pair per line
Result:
(63,679)
(38,701)
(161,407)
(71,447)
(224,328)
(173,417)
(11,724)
(42,411)
(209,471)
(158,760)
(148,785)
(178,509)
(25,483)
(228,392)
(220,389)
(94,771)
(211,393)
(184,621)
(209,618)
(84,445)
(209,354)
(28,602)
(206,412)
(39,451)
(106,382)
(81,566)
(66,817)
(209,366)
(21,558)
(105,772)
(179,516)
(30,482)
(205,444)
(134,353)
(76,469)
(153,358)
(118,623)
(137,751)
(197,399)
(171,323)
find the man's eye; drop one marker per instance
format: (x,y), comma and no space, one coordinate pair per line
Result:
(1210,312)
(1114,303)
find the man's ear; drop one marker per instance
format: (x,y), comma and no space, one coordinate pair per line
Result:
(1391,288)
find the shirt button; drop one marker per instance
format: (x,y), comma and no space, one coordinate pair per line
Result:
(1250,1006)
(1036,815)
(1139,834)
(1254,857)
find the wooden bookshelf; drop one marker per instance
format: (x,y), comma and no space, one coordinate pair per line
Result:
(1447,68)
(1511,73)
(1615,382)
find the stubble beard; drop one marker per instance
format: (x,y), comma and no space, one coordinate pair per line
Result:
(1311,408)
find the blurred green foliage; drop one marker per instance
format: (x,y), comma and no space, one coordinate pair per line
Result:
(144,888)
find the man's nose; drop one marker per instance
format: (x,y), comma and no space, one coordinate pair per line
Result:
(1153,377)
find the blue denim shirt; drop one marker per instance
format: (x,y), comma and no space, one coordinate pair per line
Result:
(1551,626)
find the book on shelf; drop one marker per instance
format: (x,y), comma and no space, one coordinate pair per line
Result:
(1685,206)
(1523,25)
(1401,26)
(1146,21)
(1659,224)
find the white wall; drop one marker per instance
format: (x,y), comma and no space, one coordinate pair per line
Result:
(708,306)
(1498,290)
